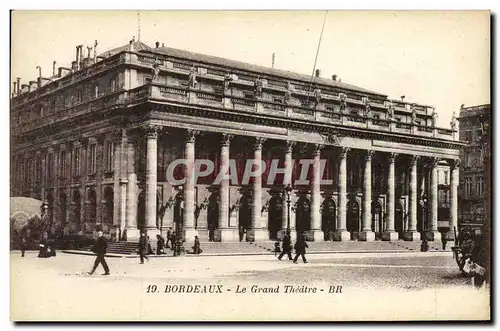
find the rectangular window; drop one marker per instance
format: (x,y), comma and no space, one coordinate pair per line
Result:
(62,164)
(278,100)
(446,177)
(480,186)
(49,166)
(468,135)
(92,159)
(76,161)
(468,187)
(110,156)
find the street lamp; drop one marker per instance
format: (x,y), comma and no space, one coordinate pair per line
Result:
(179,245)
(288,190)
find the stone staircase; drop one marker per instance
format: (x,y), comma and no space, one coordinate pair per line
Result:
(116,247)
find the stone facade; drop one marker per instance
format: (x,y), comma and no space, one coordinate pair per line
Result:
(475,159)
(96,142)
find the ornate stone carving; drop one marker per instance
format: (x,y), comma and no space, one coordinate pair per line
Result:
(191,136)
(392,157)
(192,78)
(289,146)
(331,138)
(343,101)
(414,160)
(156,70)
(368,155)
(317,95)
(226,139)
(434,117)
(317,149)
(228,78)
(344,151)
(433,161)
(454,122)
(413,114)
(454,163)
(258,87)
(152,131)
(289,91)
(258,143)
(390,110)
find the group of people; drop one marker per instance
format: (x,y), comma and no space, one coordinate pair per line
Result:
(300,247)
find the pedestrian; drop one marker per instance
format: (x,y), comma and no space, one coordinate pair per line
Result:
(424,247)
(173,240)
(286,247)
(444,241)
(44,250)
(169,238)
(143,247)
(150,249)
(300,248)
(241,232)
(160,244)
(197,247)
(23,245)
(100,250)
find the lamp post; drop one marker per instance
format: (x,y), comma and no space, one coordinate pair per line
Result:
(288,190)
(179,245)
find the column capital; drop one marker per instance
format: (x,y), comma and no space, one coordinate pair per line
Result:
(152,131)
(100,139)
(344,151)
(454,163)
(414,160)
(191,136)
(368,155)
(226,139)
(257,144)
(289,144)
(392,157)
(433,161)
(317,149)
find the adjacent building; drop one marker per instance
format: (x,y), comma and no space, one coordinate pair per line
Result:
(475,160)
(95,140)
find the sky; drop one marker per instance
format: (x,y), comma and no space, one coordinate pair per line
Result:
(438,58)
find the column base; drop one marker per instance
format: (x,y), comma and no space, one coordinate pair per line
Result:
(412,236)
(342,235)
(433,235)
(366,236)
(315,235)
(189,235)
(390,236)
(229,235)
(450,235)
(131,234)
(257,235)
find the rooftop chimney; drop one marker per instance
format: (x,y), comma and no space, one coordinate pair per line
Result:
(27,87)
(75,68)
(95,51)
(162,45)
(317,72)
(334,78)
(39,76)
(403,98)
(157,44)
(15,89)
(18,85)
(54,69)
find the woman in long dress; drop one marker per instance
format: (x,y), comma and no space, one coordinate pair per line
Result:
(44,249)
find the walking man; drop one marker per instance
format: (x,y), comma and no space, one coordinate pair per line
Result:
(444,240)
(169,238)
(300,248)
(286,247)
(143,247)
(100,249)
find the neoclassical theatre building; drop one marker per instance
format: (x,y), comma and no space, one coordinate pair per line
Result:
(95,141)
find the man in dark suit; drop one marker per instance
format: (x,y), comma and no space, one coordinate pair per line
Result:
(300,248)
(143,247)
(100,249)
(287,247)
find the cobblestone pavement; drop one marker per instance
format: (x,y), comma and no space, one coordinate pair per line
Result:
(350,286)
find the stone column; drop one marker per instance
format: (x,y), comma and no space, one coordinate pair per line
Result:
(287,180)
(42,177)
(367,234)
(257,233)
(316,231)
(132,232)
(432,232)
(412,234)
(189,199)
(227,234)
(342,234)
(454,171)
(151,180)
(122,168)
(389,233)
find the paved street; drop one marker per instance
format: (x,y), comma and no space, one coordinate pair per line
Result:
(365,285)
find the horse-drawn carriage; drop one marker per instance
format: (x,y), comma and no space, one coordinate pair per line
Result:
(468,243)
